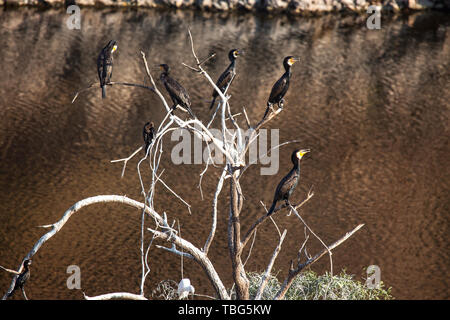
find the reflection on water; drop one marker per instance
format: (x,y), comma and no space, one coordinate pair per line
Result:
(372,105)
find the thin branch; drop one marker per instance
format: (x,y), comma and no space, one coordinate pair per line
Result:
(199,256)
(111,84)
(246,118)
(82,90)
(204,296)
(181,255)
(303,247)
(207,59)
(251,248)
(214,212)
(55,227)
(258,126)
(266,275)
(318,238)
(294,272)
(116,295)
(265,154)
(174,250)
(264,217)
(147,70)
(9,270)
(125,160)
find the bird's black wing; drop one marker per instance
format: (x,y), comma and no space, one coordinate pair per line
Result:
(223,81)
(104,66)
(279,89)
(100,64)
(177,92)
(108,71)
(286,185)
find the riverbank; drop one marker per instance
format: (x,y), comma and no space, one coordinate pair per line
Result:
(287,6)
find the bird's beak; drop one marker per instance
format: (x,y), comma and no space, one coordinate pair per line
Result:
(294,60)
(114,48)
(302,152)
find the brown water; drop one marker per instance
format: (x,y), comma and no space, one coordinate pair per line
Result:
(372,105)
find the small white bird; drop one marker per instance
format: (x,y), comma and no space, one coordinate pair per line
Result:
(184,288)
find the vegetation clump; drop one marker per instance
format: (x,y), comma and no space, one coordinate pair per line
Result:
(310,286)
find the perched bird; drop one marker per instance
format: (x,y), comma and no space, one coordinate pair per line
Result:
(177,93)
(21,279)
(280,87)
(290,181)
(105,65)
(148,133)
(227,76)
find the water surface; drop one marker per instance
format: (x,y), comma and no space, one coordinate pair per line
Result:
(372,105)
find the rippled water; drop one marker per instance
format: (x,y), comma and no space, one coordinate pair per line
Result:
(372,105)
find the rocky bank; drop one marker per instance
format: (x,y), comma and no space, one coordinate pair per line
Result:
(291,6)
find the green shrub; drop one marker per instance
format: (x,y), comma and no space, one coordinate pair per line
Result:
(310,286)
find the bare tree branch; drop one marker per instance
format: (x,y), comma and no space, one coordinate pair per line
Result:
(214,212)
(264,217)
(92,85)
(115,296)
(318,238)
(199,256)
(294,272)
(266,275)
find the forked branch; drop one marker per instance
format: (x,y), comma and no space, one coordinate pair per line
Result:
(293,272)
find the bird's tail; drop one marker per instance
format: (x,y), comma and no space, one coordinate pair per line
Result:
(269,105)
(191,113)
(272,208)
(212,103)
(103,92)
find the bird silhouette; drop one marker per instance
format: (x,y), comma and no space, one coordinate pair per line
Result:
(290,181)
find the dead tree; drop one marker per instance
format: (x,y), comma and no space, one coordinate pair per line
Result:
(234,148)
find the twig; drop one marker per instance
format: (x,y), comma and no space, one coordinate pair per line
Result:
(111,84)
(214,212)
(303,247)
(310,230)
(82,90)
(9,270)
(266,275)
(265,154)
(125,160)
(264,217)
(174,250)
(294,272)
(246,118)
(204,296)
(251,248)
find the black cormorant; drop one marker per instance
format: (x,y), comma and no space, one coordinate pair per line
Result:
(227,76)
(280,87)
(290,181)
(176,91)
(105,65)
(148,133)
(22,278)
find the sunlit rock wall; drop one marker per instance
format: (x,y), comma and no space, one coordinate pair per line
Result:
(292,6)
